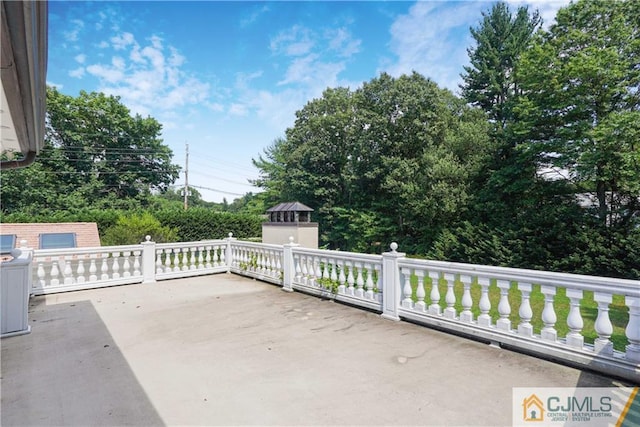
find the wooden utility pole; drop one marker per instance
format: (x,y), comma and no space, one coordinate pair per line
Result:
(186,179)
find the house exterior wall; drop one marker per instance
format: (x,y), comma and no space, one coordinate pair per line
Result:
(305,234)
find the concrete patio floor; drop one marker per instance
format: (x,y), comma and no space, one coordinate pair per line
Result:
(227,350)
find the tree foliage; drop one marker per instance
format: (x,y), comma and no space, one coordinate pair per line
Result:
(580,108)
(391,160)
(492,80)
(95,154)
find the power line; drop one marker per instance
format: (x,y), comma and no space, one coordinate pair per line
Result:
(210,189)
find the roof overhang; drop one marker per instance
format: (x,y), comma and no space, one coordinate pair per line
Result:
(23,90)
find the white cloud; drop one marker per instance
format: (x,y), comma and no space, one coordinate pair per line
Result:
(118,63)
(295,41)
(243,79)
(253,17)
(311,71)
(55,85)
(433,37)
(546,8)
(73,34)
(80,58)
(238,109)
(340,40)
(148,77)
(122,41)
(427,40)
(77,73)
(107,73)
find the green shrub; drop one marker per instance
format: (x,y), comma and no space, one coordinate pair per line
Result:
(132,229)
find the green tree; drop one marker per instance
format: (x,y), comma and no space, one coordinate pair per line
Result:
(95,154)
(491,81)
(580,109)
(389,161)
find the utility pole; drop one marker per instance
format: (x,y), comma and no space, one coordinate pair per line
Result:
(186,179)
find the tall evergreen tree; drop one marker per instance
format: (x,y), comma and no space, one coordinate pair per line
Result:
(491,81)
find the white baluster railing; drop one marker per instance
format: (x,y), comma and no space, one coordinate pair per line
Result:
(61,270)
(547,315)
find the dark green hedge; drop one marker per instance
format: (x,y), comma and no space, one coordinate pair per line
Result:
(202,223)
(192,225)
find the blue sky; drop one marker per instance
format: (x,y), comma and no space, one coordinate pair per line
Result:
(227,77)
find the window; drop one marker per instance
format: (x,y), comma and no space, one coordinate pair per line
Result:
(57,240)
(7,243)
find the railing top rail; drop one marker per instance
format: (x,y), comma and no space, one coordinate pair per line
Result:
(337,254)
(256,245)
(191,244)
(84,251)
(576,281)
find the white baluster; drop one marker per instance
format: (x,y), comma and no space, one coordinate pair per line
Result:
(434,308)
(484,319)
(377,287)
(342,279)
(104,267)
(261,265)
(311,272)
(603,326)
(407,292)
(549,317)
(167,260)
(334,271)
(574,319)
(450,298)
(67,273)
(192,259)
(305,269)
(80,272)
(207,256)
(351,280)
(184,259)
(246,259)
(41,275)
(269,263)
(93,270)
(115,267)
(278,270)
(369,283)
(55,272)
(126,264)
(298,268)
(504,308)
(526,314)
(223,256)
(467,302)
(420,305)
(633,329)
(178,259)
(359,281)
(136,264)
(318,271)
(325,270)
(158,261)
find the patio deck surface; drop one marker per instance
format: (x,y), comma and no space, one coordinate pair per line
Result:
(227,350)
